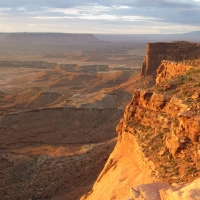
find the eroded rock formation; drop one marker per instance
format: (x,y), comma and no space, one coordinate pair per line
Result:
(158,137)
(160,191)
(175,51)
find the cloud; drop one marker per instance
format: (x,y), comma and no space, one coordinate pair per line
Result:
(118,13)
(73,3)
(121,7)
(21,9)
(95,12)
(2,9)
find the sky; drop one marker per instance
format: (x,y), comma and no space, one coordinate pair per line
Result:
(105,16)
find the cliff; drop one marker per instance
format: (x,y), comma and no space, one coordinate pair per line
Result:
(174,51)
(158,137)
(170,69)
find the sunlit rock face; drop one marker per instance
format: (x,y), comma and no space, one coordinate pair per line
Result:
(158,136)
(161,191)
(175,51)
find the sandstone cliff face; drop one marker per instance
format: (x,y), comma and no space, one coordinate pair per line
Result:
(153,141)
(158,137)
(175,51)
(124,168)
(168,70)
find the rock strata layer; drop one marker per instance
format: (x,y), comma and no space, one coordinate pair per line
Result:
(175,51)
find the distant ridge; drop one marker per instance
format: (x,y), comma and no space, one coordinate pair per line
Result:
(190,36)
(44,38)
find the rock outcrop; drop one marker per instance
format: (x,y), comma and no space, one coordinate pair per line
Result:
(161,191)
(146,191)
(168,70)
(184,192)
(157,141)
(175,51)
(158,137)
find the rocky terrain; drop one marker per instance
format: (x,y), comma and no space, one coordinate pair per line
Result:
(57,126)
(162,191)
(158,137)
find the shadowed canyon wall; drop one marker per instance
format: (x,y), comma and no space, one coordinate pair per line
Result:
(50,125)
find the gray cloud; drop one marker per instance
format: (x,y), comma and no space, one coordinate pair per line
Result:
(71,3)
(128,13)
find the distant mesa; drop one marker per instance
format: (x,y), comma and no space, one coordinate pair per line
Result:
(48,38)
(146,38)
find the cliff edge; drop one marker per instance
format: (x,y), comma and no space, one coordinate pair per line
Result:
(174,51)
(159,135)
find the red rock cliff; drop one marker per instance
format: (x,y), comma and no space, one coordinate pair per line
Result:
(158,137)
(174,51)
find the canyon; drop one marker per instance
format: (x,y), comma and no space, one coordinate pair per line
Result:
(54,133)
(59,106)
(59,114)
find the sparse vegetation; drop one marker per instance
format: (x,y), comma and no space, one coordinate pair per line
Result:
(152,141)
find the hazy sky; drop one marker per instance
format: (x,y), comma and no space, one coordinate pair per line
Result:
(105,16)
